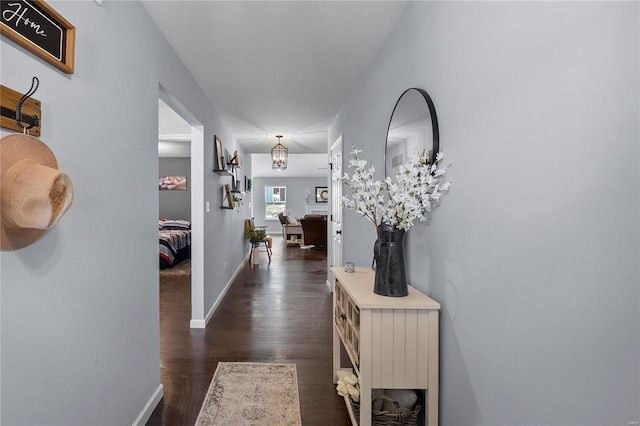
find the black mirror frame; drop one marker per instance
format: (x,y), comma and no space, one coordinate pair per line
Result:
(434,124)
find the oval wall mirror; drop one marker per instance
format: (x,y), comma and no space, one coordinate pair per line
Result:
(413,125)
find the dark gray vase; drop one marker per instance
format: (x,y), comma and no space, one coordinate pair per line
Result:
(388,255)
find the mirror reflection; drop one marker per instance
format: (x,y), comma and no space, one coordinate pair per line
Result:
(413,126)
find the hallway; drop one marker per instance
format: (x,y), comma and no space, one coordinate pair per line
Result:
(278,312)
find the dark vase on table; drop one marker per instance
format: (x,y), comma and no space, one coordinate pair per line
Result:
(388,256)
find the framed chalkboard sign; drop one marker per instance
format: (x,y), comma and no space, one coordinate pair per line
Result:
(37,27)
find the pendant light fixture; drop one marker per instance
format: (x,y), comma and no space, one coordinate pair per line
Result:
(279,156)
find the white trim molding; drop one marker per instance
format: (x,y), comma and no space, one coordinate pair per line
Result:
(151,405)
(203,322)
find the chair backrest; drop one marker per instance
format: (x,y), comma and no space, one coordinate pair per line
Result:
(249,229)
(251,233)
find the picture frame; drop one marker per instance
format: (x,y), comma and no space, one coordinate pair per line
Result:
(37,27)
(322,194)
(229,195)
(218,154)
(170,183)
(235,160)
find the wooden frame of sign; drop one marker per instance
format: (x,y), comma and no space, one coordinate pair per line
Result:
(37,27)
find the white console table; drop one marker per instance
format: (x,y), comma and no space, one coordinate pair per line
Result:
(392,342)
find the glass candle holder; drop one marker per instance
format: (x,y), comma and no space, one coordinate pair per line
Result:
(349,267)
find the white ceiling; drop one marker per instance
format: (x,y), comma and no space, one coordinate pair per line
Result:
(299,165)
(276,67)
(174,135)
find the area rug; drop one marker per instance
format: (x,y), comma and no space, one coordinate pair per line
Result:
(181,269)
(252,394)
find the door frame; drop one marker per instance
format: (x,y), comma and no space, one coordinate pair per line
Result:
(335,255)
(197,206)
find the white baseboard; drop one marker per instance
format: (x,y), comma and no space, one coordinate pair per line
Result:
(329,287)
(203,323)
(151,405)
(197,323)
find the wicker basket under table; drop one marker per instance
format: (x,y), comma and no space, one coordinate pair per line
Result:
(402,416)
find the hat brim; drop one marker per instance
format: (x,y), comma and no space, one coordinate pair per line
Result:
(15,148)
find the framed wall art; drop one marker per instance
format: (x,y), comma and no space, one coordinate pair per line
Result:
(37,27)
(218,155)
(227,195)
(172,182)
(322,194)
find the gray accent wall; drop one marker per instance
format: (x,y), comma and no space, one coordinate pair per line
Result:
(79,330)
(175,204)
(534,252)
(296,198)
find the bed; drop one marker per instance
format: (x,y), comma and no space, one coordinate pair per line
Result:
(175,241)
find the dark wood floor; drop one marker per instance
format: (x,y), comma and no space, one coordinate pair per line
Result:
(278,312)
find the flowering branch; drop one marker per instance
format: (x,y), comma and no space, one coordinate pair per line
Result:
(415,191)
(367,193)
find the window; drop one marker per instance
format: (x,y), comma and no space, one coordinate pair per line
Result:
(275,201)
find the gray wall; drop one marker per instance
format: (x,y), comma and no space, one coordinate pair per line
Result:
(79,325)
(175,204)
(534,253)
(296,197)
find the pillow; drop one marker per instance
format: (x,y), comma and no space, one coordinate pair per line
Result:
(292,220)
(175,224)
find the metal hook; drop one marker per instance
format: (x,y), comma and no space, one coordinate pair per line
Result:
(34,87)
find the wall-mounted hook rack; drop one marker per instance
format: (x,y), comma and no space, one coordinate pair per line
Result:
(30,109)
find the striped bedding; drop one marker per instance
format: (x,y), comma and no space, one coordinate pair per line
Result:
(175,239)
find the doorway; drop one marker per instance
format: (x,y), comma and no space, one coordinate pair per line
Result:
(195,131)
(174,198)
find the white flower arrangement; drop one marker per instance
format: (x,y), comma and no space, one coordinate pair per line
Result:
(415,191)
(349,385)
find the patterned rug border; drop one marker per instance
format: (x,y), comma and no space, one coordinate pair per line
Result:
(208,414)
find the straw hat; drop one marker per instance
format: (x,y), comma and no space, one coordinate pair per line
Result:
(33,193)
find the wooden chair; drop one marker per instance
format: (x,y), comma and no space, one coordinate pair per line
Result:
(257,235)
